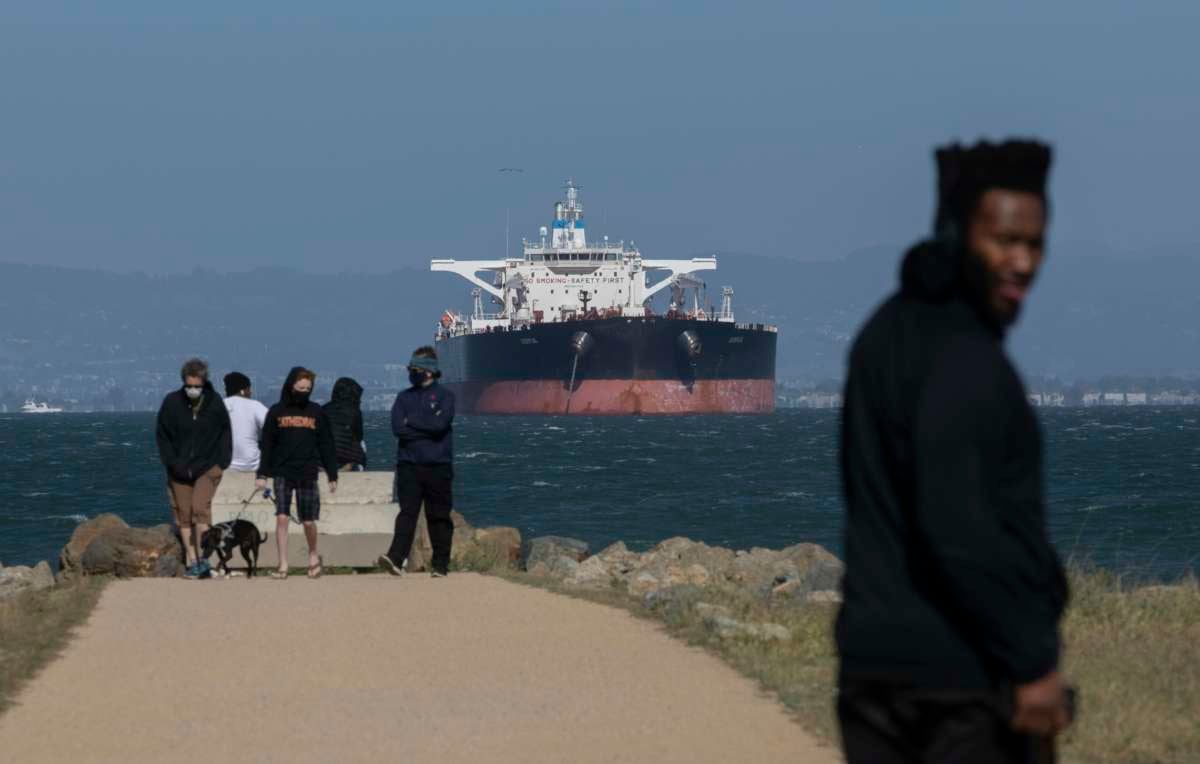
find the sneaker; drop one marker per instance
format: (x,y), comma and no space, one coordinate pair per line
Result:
(203,569)
(192,571)
(388,566)
(438,573)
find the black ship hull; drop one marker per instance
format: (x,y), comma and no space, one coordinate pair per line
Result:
(613,366)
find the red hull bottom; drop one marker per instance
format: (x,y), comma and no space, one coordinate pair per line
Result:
(617,396)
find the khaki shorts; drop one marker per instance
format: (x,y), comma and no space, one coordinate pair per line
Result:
(192,504)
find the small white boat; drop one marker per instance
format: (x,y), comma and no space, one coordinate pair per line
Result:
(31,407)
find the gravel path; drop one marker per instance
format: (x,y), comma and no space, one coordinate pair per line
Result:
(371,668)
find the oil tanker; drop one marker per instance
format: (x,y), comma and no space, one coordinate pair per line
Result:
(572,332)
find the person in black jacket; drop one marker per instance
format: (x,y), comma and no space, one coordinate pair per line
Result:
(948,631)
(422,419)
(195,445)
(297,442)
(346,419)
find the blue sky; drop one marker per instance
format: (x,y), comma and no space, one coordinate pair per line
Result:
(141,137)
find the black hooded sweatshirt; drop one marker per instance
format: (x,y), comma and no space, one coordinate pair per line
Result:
(193,439)
(951,581)
(345,417)
(296,440)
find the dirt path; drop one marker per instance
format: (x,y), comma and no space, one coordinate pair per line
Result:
(371,668)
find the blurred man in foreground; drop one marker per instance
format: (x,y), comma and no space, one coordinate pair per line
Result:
(948,634)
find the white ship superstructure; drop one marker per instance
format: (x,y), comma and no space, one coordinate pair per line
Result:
(32,407)
(562,277)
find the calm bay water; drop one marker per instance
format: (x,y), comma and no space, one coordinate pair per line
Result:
(1124,484)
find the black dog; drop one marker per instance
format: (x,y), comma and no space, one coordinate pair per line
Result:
(223,537)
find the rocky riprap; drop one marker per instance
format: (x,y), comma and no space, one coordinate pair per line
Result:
(679,575)
(676,573)
(802,572)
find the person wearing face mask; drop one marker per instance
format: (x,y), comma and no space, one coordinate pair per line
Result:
(421,420)
(345,416)
(297,442)
(195,445)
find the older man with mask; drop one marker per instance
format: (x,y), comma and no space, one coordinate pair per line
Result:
(195,445)
(948,633)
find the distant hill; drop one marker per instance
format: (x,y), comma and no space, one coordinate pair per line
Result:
(1090,316)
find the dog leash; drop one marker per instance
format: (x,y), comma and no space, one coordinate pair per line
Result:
(266,495)
(246,503)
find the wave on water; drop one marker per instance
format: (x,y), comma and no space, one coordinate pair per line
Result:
(1121,483)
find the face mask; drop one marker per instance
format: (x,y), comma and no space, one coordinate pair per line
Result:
(417,378)
(299,397)
(193,392)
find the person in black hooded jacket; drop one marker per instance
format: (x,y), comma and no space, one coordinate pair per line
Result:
(297,442)
(195,445)
(346,419)
(948,631)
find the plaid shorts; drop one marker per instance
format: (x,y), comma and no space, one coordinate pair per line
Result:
(308,498)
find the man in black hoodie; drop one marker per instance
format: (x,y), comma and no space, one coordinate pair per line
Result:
(948,633)
(345,417)
(195,445)
(296,443)
(422,421)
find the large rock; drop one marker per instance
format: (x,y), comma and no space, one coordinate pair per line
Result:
(22,578)
(544,550)
(683,552)
(420,556)
(500,541)
(134,553)
(72,554)
(593,573)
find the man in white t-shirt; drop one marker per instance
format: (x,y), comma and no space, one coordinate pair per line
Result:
(246,415)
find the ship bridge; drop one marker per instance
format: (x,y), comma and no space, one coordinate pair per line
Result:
(560,277)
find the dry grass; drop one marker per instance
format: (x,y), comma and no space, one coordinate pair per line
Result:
(1135,655)
(35,626)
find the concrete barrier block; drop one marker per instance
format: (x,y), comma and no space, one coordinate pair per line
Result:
(362,505)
